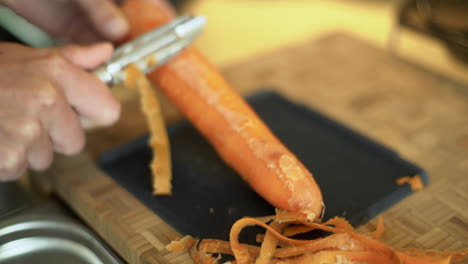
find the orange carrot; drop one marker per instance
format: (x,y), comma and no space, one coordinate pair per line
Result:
(242,140)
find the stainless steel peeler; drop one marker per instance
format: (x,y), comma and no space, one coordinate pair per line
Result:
(152,49)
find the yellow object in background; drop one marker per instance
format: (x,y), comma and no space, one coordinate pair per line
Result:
(239,29)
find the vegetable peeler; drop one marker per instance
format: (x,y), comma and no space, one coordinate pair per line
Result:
(152,49)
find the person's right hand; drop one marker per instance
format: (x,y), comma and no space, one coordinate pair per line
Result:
(43,95)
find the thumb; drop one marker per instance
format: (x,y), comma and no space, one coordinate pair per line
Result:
(88,57)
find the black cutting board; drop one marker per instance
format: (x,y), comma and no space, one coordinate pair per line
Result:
(357,175)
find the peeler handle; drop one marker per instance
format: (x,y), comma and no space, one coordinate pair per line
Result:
(151,50)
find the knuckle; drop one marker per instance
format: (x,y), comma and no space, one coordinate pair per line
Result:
(53,61)
(29,129)
(11,159)
(47,96)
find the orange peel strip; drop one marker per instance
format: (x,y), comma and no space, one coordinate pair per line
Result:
(269,244)
(341,257)
(243,255)
(240,251)
(336,241)
(202,258)
(415,182)
(159,141)
(379,230)
(338,222)
(223,247)
(423,259)
(342,247)
(433,255)
(183,244)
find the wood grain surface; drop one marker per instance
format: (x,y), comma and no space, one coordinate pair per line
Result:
(422,116)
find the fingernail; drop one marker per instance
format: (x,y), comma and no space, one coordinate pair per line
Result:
(117,27)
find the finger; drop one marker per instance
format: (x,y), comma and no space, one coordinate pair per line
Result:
(61,122)
(106,17)
(86,37)
(40,154)
(80,31)
(66,132)
(88,57)
(28,132)
(12,159)
(19,127)
(86,93)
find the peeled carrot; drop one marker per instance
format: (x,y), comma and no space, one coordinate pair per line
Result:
(238,135)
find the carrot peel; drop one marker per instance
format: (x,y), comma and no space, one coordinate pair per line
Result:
(344,246)
(415,182)
(159,140)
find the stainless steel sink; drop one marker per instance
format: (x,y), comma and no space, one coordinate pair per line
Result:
(47,233)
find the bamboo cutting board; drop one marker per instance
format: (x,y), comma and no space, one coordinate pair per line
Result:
(422,116)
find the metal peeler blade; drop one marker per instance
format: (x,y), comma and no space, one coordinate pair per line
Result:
(152,49)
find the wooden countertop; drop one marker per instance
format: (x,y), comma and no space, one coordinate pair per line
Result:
(420,115)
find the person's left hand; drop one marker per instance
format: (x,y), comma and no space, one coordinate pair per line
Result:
(77,21)
(44,94)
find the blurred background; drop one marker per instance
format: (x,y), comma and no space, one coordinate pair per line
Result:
(431,33)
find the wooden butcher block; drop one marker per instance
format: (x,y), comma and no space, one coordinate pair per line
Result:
(422,116)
